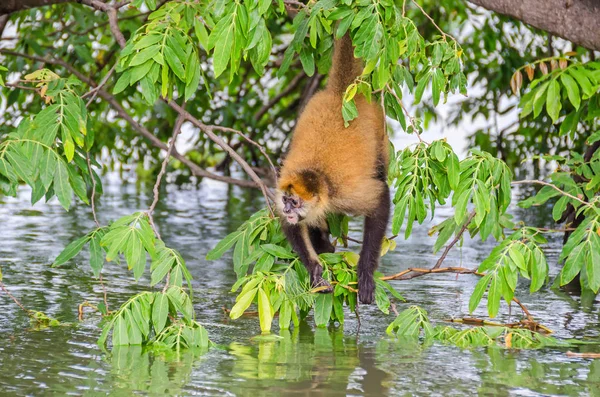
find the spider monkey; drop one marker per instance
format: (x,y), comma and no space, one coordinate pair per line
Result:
(333,169)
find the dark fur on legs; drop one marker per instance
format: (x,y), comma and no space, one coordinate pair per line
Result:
(299,236)
(320,240)
(375,226)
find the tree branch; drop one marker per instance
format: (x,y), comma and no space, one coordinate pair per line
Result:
(194,168)
(418,272)
(3,22)
(113,20)
(208,130)
(577,21)
(538,182)
(8,6)
(291,87)
(456,238)
(163,169)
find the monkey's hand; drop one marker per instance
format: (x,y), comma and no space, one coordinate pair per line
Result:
(318,283)
(366,288)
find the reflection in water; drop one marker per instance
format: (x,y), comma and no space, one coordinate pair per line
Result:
(305,361)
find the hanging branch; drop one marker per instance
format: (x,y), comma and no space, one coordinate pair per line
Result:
(163,168)
(209,131)
(11,296)
(538,182)
(456,238)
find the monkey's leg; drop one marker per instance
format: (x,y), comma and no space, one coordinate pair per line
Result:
(319,237)
(375,226)
(299,238)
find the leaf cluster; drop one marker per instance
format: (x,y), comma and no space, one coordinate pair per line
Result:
(273,277)
(414,323)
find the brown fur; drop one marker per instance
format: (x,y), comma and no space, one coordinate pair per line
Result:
(333,169)
(346,159)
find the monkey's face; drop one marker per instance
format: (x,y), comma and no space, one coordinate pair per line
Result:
(293,208)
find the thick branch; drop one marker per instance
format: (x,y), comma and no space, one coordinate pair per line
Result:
(3,22)
(574,20)
(8,6)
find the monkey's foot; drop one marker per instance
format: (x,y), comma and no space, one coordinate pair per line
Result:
(366,290)
(321,286)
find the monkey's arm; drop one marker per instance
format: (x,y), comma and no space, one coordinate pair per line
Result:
(299,238)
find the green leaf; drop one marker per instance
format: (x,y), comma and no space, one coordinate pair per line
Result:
(460,209)
(478,292)
(244,301)
(20,164)
(277,251)
(308,62)
(160,311)
(62,188)
(573,264)
(224,245)
(265,311)
(144,55)
(553,101)
(323,306)
(539,270)
(47,166)
(70,251)
(174,63)
(421,88)
(593,264)
(539,99)
(494,295)
(96,256)
(119,337)
(572,90)
(285,314)
(453,166)
(223,45)
(437,85)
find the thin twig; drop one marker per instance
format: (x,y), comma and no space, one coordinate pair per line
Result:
(14,299)
(176,130)
(21,87)
(93,198)
(393,307)
(418,272)
(163,168)
(291,86)
(525,311)
(411,119)
(260,147)
(357,318)
(456,238)
(353,240)
(104,294)
(444,34)
(538,182)
(94,91)
(583,355)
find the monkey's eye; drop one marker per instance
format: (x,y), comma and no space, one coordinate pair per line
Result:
(294,203)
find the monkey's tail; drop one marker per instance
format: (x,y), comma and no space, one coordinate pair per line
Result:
(345,67)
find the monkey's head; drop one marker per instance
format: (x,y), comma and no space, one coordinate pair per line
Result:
(301,197)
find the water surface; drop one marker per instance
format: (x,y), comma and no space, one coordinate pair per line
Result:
(306,361)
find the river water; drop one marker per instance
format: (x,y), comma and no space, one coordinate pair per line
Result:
(307,361)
